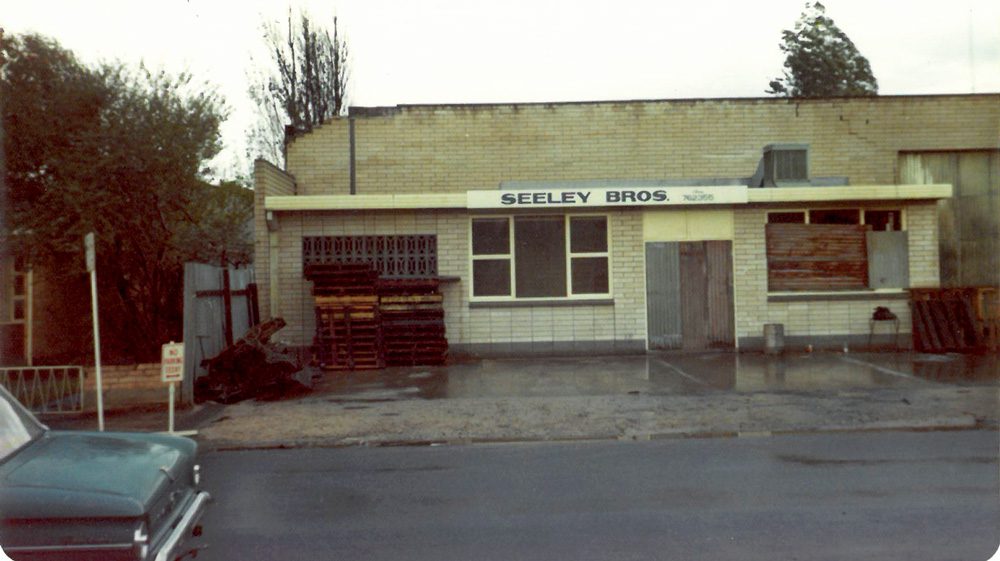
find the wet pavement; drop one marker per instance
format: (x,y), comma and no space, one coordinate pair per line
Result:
(636,397)
(663,374)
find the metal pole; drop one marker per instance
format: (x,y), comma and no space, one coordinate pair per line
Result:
(97,352)
(170,422)
(90,249)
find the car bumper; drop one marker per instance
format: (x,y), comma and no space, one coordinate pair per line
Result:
(171,547)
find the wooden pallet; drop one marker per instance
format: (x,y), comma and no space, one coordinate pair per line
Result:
(363,321)
(348,333)
(955,319)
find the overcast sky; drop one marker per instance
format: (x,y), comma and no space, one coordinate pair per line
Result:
(469,51)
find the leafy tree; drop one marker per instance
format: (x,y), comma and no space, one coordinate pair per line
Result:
(821,60)
(305,84)
(221,232)
(115,151)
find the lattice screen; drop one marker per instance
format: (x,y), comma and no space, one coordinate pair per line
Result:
(393,256)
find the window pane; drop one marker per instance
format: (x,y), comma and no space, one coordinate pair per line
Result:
(18,309)
(491,277)
(786,218)
(490,236)
(588,234)
(835,216)
(590,275)
(884,220)
(541,256)
(19,285)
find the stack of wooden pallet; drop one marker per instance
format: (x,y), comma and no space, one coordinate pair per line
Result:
(955,319)
(413,327)
(364,322)
(348,325)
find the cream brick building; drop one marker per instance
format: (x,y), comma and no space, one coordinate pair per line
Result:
(624,226)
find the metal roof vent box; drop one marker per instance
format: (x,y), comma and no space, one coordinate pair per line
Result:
(785,165)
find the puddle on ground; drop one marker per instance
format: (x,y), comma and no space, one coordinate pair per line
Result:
(661,373)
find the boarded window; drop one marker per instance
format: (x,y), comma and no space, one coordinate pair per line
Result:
(816,257)
(888,260)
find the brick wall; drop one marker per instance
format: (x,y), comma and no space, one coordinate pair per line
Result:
(622,322)
(127,385)
(824,319)
(421,149)
(437,149)
(268,181)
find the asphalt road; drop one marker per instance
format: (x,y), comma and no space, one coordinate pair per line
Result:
(887,495)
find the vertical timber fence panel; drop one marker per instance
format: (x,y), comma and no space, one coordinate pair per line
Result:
(206,326)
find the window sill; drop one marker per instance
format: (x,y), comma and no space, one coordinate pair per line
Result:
(549,303)
(838,296)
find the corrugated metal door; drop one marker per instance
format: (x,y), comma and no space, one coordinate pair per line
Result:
(663,295)
(689,295)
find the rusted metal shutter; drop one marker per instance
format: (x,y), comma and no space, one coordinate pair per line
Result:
(816,257)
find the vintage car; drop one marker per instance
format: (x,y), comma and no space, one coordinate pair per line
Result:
(94,495)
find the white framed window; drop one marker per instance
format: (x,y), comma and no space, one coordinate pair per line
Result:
(13,291)
(540,257)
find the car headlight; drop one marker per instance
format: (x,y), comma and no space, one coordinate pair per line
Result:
(140,541)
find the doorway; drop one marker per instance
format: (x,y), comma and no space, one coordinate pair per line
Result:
(689,295)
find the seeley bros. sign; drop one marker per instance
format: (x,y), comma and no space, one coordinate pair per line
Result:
(602,197)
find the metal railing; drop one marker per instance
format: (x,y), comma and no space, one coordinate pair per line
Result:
(46,389)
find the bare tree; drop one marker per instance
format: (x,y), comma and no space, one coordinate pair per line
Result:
(304,84)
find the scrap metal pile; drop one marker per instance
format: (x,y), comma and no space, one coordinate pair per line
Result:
(250,366)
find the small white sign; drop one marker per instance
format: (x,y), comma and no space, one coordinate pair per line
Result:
(172,363)
(605,197)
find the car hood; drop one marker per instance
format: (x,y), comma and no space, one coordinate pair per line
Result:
(74,474)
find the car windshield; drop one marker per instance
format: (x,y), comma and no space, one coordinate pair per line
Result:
(17,425)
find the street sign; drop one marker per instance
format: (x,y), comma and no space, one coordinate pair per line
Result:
(172,362)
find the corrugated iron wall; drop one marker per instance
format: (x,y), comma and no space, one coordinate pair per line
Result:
(970,220)
(663,295)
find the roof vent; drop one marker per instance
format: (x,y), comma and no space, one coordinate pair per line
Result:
(785,165)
